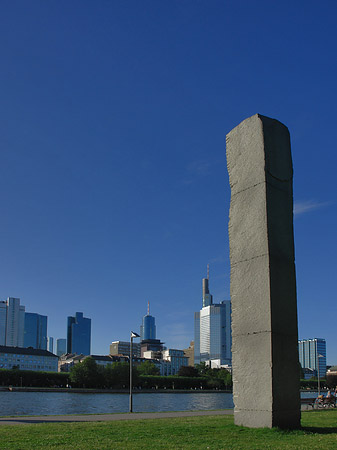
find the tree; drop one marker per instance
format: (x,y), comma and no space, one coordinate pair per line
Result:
(87,374)
(217,378)
(188,371)
(117,375)
(148,368)
(202,369)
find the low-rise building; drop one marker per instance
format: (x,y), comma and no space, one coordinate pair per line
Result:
(189,353)
(123,348)
(176,358)
(168,361)
(27,359)
(67,361)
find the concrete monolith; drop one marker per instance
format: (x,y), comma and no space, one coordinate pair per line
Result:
(263,283)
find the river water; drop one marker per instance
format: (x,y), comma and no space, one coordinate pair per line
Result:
(45,403)
(54,403)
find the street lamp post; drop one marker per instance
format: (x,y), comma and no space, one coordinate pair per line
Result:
(133,335)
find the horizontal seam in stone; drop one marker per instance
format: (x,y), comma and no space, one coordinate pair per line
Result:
(255,410)
(250,259)
(249,187)
(251,334)
(278,179)
(274,333)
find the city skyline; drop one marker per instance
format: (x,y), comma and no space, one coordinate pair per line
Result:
(114,187)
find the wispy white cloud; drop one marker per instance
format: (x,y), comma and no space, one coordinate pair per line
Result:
(177,335)
(217,259)
(306,206)
(197,169)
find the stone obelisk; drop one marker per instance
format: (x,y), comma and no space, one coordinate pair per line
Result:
(263,283)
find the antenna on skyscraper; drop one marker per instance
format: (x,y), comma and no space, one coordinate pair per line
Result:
(148,308)
(208,272)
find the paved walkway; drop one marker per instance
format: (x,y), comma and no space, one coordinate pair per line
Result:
(108,417)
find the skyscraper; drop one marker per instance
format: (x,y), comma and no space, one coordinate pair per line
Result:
(78,334)
(12,321)
(148,341)
(3,321)
(61,346)
(212,330)
(35,331)
(312,355)
(51,344)
(148,326)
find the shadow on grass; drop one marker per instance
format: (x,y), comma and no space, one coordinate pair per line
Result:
(320,430)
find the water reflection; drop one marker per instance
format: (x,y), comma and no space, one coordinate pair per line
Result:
(49,403)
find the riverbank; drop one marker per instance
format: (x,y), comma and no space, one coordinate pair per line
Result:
(109,417)
(112,391)
(125,391)
(185,433)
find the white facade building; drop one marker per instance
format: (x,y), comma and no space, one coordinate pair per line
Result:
(27,359)
(212,331)
(168,361)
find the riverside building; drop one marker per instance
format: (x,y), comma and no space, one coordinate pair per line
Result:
(123,348)
(27,359)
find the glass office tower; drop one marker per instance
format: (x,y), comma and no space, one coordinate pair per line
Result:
(12,322)
(312,355)
(61,346)
(212,330)
(51,344)
(79,334)
(35,331)
(148,326)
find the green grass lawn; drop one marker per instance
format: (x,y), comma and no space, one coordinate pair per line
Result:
(218,432)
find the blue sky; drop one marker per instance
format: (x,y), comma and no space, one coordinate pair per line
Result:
(113,181)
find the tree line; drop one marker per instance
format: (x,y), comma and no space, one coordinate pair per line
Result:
(90,375)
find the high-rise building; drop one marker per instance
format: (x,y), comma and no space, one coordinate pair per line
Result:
(148,326)
(212,330)
(148,341)
(51,344)
(312,355)
(61,346)
(12,322)
(3,321)
(79,334)
(35,331)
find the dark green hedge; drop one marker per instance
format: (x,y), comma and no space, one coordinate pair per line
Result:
(312,384)
(29,378)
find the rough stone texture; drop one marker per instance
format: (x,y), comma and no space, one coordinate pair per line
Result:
(263,283)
